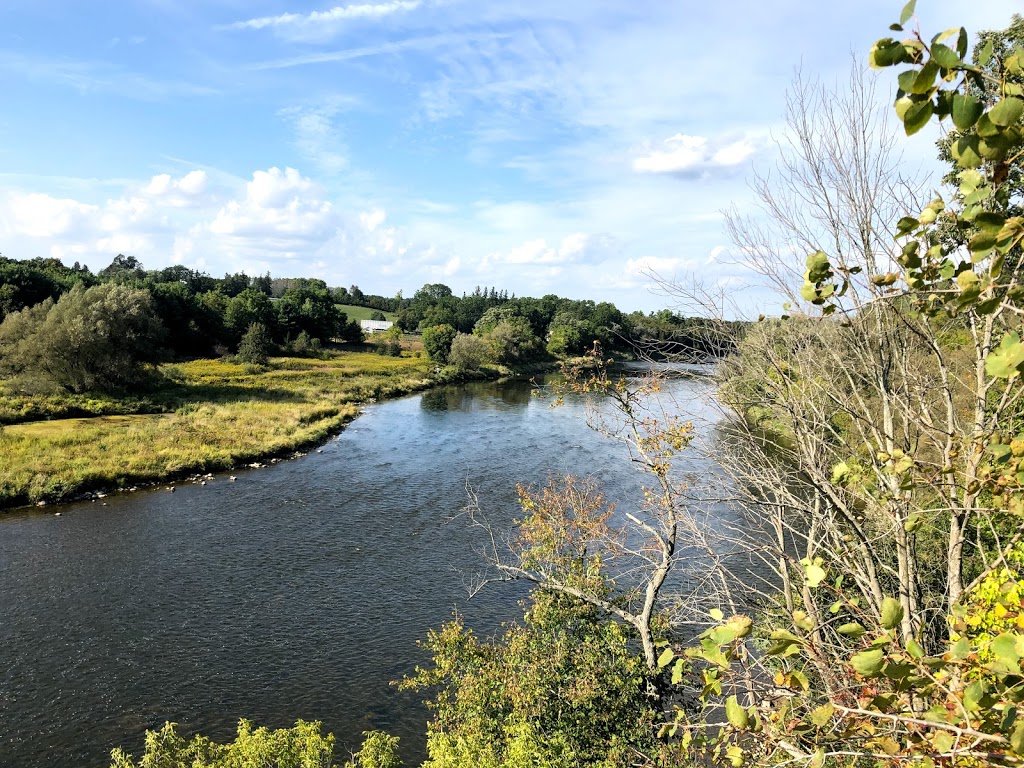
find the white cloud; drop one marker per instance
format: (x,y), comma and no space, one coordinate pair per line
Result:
(331,17)
(693,154)
(317,136)
(280,205)
(39,215)
(576,248)
(372,219)
(180,192)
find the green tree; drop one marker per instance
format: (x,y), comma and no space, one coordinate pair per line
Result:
(563,688)
(98,338)
(469,352)
(248,307)
(310,309)
(437,341)
(512,341)
(255,345)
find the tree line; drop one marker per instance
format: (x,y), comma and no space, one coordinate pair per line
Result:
(67,327)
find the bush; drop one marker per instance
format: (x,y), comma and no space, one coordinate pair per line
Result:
(469,352)
(304,745)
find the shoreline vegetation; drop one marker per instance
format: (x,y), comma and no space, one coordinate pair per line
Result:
(206,415)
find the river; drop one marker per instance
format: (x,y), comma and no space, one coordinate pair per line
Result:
(295,591)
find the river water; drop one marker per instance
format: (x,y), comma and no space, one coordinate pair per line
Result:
(296,591)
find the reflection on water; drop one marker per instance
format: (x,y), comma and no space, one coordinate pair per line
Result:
(298,591)
(508,395)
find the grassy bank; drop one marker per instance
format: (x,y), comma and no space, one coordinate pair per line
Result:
(364,313)
(207,415)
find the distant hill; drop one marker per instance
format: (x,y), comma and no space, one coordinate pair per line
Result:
(363,313)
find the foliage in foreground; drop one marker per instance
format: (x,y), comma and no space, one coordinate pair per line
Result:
(303,746)
(563,688)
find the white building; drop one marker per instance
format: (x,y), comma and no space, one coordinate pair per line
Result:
(375,326)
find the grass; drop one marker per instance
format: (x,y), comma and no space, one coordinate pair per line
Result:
(208,415)
(363,313)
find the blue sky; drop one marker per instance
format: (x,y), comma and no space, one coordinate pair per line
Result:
(542,146)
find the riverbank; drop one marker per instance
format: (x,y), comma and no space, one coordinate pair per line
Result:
(206,416)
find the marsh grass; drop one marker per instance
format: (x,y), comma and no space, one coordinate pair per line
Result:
(208,415)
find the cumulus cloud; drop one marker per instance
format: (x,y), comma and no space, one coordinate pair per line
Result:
(39,215)
(280,205)
(576,248)
(684,154)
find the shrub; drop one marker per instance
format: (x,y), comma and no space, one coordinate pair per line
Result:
(469,352)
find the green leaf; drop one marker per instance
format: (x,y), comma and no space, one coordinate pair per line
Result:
(990,222)
(985,55)
(965,151)
(1008,648)
(945,57)
(666,658)
(853,629)
(677,671)
(970,181)
(961,649)
(892,613)
(736,713)
(1005,361)
(925,80)
(983,241)
(917,117)
(943,742)
(1006,112)
(966,110)
(818,267)
(906,225)
(716,614)
(961,43)
(868,663)
(814,574)
(973,696)
(908,12)
(884,53)
(914,649)
(967,281)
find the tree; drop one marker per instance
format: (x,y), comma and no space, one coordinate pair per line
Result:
(310,309)
(123,269)
(903,435)
(468,352)
(562,688)
(98,338)
(378,315)
(255,345)
(512,341)
(248,307)
(437,341)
